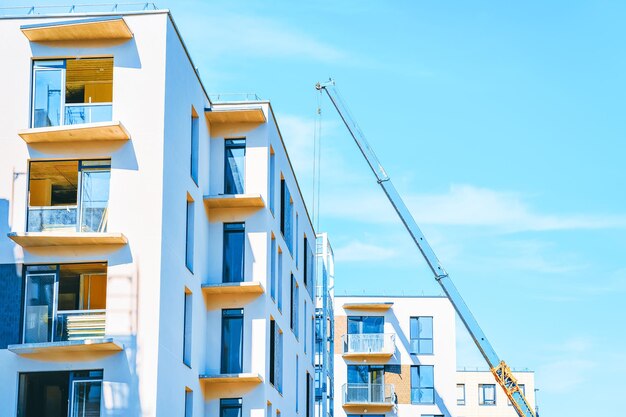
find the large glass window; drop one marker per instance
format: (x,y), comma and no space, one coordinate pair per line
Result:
(276,356)
(232,341)
(295,301)
(422,384)
(188,402)
(487,394)
(234,250)
(231,407)
(286,215)
(234,166)
(309,266)
(187,321)
(195,144)
(189,235)
(273,268)
(68,196)
(280,280)
(60,394)
(366,383)
(72,91)
(64,302)
(365,324)
(421,335)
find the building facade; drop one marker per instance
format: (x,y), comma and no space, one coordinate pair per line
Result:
(394,356)
(478,394)
(156,255)
(324,329)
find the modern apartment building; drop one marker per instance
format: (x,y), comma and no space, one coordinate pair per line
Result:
(394,356)
(156,256)
(324,329)
(478,395)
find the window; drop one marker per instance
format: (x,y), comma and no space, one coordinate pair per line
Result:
(422,384)
(232,341)
(305,332)
(365,324)
(297,240)
(234,166)
(272,179)
(60,394)
(421,335)
(68,196)
(280,280)
(460,394)
(522,388)
(273,268)
(268,411)
(295,299)
(231,407)
(297,383)
(309,267)
(486,394)
(276,355)
(366,384)
(188,402)
(72,91)
(195,144)
(187,328)
(64,302)
(309,396)
(189,236)
(234,250)
(286,215)
(432,415)
(312,338)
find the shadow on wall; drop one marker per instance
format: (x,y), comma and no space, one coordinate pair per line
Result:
(6,244)
(401,338)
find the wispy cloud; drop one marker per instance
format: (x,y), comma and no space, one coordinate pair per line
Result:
(567,364)
(356,251)
(468,205)
(241,35)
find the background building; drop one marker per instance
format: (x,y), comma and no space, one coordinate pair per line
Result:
(394,356)
(324,329)
(156,256)
(478,394)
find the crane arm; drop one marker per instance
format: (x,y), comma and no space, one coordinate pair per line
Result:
(498,368)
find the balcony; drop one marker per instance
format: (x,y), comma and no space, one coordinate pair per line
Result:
(100,28)
(227,115)
(76,132)
(369,306)
(232,288)
(368,346)
(374,397)
(74,332)
(228,201)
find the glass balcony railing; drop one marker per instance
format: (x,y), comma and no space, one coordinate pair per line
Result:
(366,343)
(88,113)
(79,325)
(52,218)
(382,394)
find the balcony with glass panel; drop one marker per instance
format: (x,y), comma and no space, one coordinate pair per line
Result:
(369,346)
(376,397)
(68,205)
(72,101)
(65,311)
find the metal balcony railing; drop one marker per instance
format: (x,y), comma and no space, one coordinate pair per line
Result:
(65,218)
(366,343)
(381,394)
(76,114)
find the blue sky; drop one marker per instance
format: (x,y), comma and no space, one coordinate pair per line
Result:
(502,124)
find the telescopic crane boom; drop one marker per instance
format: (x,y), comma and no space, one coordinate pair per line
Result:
(499,368)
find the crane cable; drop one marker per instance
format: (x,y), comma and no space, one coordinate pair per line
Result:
(317,151)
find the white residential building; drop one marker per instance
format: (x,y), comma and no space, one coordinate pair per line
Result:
(478,394)
(156,255)
(394,356)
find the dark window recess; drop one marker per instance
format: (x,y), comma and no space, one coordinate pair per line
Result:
(234,250)
(232,341)
(234,166)
(231,407)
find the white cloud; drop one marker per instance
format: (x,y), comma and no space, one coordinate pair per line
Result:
(240,35)
(356,251)
(464,205)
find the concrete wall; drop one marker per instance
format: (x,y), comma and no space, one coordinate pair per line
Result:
(397,322)
(135,200)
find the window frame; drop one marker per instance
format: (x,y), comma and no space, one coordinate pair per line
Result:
(230,143)
(481,395)
(419,387)
(419,339)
